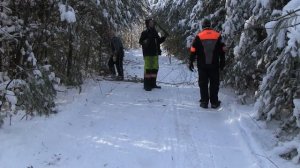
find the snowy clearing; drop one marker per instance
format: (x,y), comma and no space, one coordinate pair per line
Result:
(119,125)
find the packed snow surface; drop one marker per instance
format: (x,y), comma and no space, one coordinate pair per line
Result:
(117,124)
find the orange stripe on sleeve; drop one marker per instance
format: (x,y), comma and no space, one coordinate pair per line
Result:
(193,49)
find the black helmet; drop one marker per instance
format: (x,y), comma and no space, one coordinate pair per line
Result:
(206,23)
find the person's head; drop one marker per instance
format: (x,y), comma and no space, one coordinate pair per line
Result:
(149,23)
(206,23)
(112,33)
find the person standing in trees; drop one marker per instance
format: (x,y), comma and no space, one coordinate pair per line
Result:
(117,54)
(209,51)
(150,41)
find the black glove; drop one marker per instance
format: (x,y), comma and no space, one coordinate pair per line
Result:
(191,66)
(145,42)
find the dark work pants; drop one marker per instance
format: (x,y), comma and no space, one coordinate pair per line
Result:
(155,71)
(209,77)
(150,78)
(119,66)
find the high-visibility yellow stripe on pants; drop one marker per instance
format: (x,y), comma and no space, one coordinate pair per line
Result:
(151,63)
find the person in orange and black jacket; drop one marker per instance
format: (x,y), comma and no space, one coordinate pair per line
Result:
(150,41)
(209,51)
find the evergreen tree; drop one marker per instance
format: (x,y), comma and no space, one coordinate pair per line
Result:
(10,29)
(183,20)
(262,58)
(46,42)
(279,86)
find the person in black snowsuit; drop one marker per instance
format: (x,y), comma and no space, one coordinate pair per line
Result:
(150,41)
(117,54)
(209,50)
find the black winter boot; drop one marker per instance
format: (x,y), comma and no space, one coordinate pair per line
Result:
(147,84)
(204,105)
(216,105)
(154,84)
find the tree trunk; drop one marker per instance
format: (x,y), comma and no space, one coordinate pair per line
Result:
(70,54)
(87,59)
(1,57)
(1,54)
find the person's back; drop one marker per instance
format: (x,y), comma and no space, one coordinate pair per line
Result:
(117,46)
(116,56)
(207,48)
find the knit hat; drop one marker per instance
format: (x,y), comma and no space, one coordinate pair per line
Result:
(206,23)
(147,21)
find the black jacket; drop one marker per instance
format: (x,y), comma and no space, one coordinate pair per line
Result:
(208,49)
(117,46)
(150,42)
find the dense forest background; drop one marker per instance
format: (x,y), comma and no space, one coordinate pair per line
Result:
(263,57)
(46,43)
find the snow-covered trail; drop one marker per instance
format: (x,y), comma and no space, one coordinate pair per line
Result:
(119,125)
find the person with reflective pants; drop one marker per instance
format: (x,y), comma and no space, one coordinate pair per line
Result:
(209,51)
(150,41)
